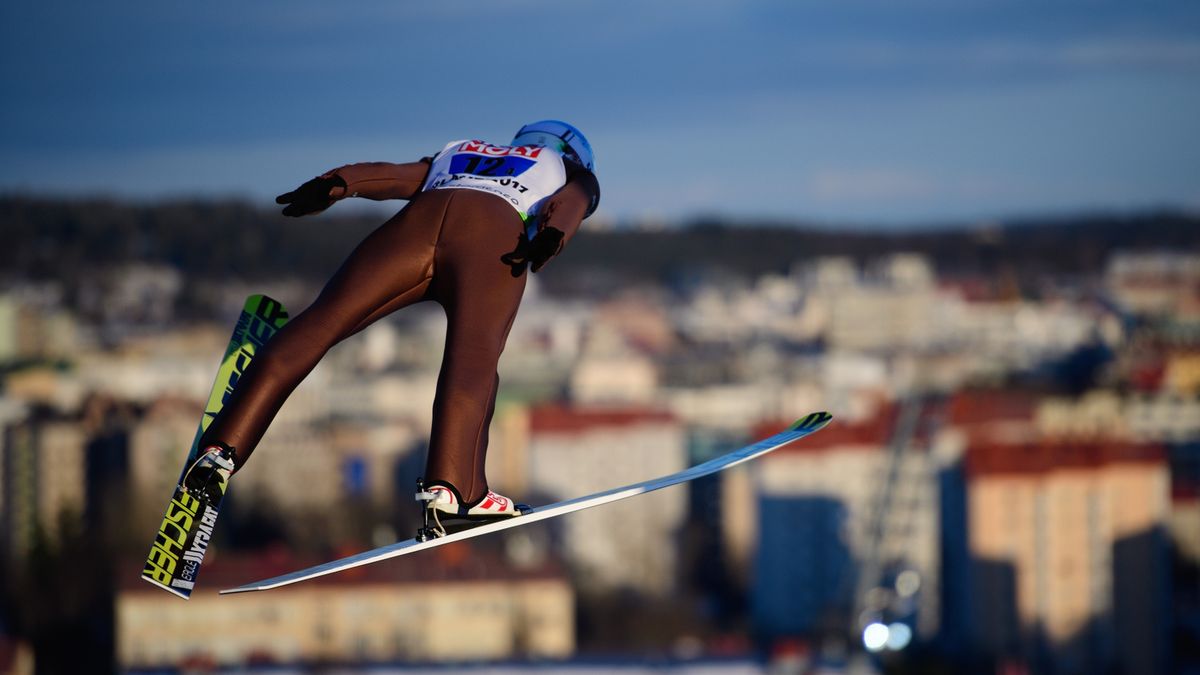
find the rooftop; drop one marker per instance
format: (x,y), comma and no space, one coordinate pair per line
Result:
(1045,456)
(558,418)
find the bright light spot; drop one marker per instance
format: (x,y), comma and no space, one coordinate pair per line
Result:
(875,636)
(899,635)
(908,583)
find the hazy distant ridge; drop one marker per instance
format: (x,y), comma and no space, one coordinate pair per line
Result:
(47,239)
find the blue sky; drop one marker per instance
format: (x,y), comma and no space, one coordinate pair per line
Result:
(853,112)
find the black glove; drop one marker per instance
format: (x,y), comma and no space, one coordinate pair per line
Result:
(312,197)
(537,251)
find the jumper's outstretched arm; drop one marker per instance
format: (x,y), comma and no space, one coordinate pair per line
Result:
(371,180)
(380,180)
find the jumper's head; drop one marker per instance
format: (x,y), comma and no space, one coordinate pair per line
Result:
(559,136)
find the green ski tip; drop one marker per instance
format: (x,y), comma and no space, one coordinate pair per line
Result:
(811,422)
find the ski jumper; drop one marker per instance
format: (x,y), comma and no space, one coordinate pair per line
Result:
(471,205)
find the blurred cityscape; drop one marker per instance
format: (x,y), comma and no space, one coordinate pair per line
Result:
(1011,483)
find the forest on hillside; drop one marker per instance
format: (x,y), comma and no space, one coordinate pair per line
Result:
(66,240)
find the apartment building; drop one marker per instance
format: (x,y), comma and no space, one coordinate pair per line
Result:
(454,604)
(579,451)
(1068,552)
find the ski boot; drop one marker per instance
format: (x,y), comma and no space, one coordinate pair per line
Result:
(443,502)
(208,476)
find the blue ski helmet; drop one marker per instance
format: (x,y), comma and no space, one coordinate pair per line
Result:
(560,136)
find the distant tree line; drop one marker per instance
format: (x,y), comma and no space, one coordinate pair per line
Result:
(208,240)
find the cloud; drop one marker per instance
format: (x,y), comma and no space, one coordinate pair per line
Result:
(1178,53)
(871,184)
(1076,53)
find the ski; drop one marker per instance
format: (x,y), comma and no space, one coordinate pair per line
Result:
(803,427)
(182,539)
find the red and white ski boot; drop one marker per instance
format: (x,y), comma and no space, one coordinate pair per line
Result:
(491,506)
(442,501)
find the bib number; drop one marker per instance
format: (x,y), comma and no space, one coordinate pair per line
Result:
(477,165)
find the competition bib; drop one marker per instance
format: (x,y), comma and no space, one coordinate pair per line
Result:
(523,176)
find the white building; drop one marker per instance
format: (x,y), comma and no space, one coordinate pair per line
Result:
(607,380)
(1155,283)
(576,452)
(896,305)
(454,607)
(33,324)
(1106,414)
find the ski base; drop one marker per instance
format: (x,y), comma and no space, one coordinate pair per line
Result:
(803,427)
(186,529)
